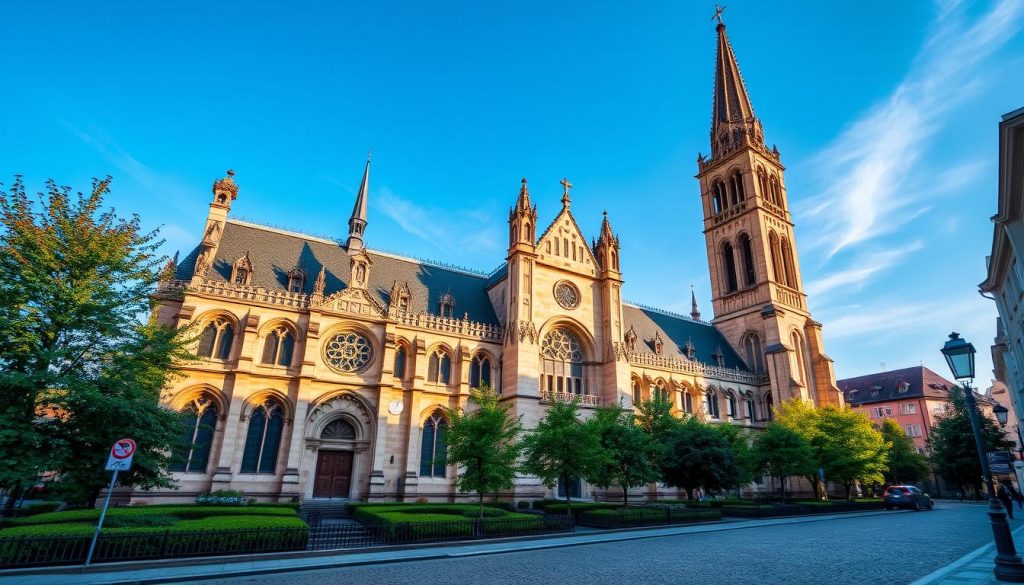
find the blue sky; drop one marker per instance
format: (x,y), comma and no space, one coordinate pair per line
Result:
(885,115)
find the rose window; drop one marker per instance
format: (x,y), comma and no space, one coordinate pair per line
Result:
(567,295)
(348,352)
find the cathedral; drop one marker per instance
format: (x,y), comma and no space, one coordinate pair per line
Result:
(325,364)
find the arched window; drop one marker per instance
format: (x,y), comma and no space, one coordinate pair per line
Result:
(562,357)
(719,199)
(751,410)
(762,181)
(747,252)
(778,268)
(338,430)
(754,352)
(400,362)
(447,306)
(480,371)
(215,340)
(738,194)
(526,232)
(776,191)
(687,401)
(660,391)
(439,368)
(711,403)
(278,347)
(730,405)
(637,396)
(434,450)
(769,411)
(729,265)
(199,422)
(263,440)
(787,261)
(799,370)
(241,270)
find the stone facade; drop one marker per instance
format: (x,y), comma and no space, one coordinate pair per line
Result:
(325,365)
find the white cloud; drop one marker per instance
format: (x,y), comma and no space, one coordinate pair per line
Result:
(866,171)
(471,229)
(858,274)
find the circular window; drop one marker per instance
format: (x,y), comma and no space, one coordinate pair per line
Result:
(348,352)
(567,295)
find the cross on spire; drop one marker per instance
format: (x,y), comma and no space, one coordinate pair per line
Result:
(566,185)
(719,9)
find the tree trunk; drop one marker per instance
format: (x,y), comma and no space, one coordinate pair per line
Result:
(481,494)
(568,493)
(849,491)
(782,489)
(625,495)
(689,493)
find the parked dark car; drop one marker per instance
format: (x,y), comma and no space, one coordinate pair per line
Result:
(907,496)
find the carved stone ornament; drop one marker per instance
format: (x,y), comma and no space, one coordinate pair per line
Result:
(630,339)
(354,301)
(567,295)
(527,330)
(343,405)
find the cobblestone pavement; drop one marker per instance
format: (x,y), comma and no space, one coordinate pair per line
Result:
(896,548)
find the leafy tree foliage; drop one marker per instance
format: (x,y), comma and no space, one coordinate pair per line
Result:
(905,464)
(699,456)
(845,443)
(78,369)
(631,454)
(952,443)
(484,443)
(781,452)
(563,447)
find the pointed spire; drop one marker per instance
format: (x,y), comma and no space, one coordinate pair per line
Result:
(694,311)
(606,228)
(733,122)
(321,281)
(523,201)
(357,223)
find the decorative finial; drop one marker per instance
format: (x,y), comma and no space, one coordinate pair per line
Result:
(369,154)
(719,9)
(231,173)
(605,212)
(566,185)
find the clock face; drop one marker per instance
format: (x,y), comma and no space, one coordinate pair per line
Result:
(396,406)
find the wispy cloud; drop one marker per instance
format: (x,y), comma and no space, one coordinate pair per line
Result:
(971,314)
(858,274)
(865,172)
(447,230)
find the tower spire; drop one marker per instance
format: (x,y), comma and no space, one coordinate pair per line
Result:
(694,311)
(357,222)
(733,122)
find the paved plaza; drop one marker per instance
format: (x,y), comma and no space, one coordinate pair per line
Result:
(886,548)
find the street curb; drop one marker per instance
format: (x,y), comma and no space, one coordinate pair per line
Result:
(625,534)
(968,558)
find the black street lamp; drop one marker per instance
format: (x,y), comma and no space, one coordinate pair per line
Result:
(960,357)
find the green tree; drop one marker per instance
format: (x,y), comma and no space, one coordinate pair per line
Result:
(563,447)
(655,418)
(79,369)
(803,419)
(905,464)
(631,454)
(782,452)
(951,443)
(699,456)
(484,443)
(849,448)
(742,454)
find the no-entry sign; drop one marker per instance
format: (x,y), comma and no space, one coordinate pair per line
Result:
(121,455)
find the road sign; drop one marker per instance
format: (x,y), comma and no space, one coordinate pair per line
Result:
(121,455)
(999,462)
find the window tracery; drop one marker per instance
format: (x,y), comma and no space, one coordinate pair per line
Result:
(339,430)
(263,438)
(562,357)
(216,338)
(480,371)
(199,424)
(439,367)
(348,352)
(434,448)
(278,347)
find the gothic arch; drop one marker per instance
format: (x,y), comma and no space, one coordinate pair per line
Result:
(183,397)
(778,267)
(345,404)
(727,253)
(787,261)
(747,266)
(259,397)
(578,331)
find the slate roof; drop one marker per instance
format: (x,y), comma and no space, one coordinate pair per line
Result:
(884,386)
(275,252)
(675,331)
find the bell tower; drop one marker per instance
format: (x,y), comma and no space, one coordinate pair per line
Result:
(757,291)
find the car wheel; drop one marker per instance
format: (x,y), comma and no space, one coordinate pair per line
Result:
(931,505)
(917,506)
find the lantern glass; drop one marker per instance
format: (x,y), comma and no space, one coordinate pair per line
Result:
(960,356)
(1001,413)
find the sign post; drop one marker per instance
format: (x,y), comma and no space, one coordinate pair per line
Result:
(121,455)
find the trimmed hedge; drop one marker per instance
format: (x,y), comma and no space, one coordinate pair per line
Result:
(211,523)
(184,512)
(393,513)
(642,516)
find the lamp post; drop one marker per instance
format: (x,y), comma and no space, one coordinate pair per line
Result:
(959,355)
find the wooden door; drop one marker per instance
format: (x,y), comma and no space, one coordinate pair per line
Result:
(333,474)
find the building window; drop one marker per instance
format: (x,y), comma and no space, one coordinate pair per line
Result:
(400,362)
(636,392)
(755,354)
(730,405)
(447,306)
(278,347)
(778,267)
(711,404)
(913,430)
(787,260)
(199,422)
(747,253)
(241,270)
(751,412)
(660,392)
(776,191)
(348,352)
(562,363)
(434,450)
(480,371)
(908,408)
(738,193)
(902,387)
(881,412)
(338,430)
(263,440)
(799,371)
(439,368)
(729,265)
(296,280)
(215,340)
(718,198)
(687,402)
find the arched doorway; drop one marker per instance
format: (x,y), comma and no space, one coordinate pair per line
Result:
(333,477)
